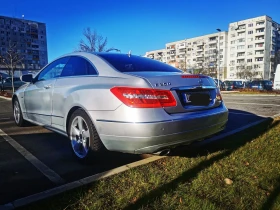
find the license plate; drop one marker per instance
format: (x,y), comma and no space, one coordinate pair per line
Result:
(197,99)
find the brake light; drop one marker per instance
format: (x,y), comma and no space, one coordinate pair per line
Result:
(193,76)
(218,95)
(144,97)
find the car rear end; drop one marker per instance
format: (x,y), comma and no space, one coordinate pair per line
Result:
(174,109)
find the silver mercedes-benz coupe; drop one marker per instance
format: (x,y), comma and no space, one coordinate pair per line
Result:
(120,102)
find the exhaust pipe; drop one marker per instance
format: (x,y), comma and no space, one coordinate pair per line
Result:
(163,152)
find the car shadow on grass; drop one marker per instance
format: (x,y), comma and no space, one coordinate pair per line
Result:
(272,197)
(226,146)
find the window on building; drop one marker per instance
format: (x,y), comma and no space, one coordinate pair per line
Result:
(249,53)
(232,42)
(232,35)
(260,30)
(259,59)
(260,23)
(232,63)
(240,33)
(250,25)
(250,46)
(250,32)
(221,43)
(232,55)
(241,40)
(240,54)
(221,37)
(221,56)
(250,39)
(249,60)
(240,60)
(241,47)
(259,45)
(232,68)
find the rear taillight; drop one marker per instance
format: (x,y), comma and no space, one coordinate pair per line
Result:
(218,95)
(144,97)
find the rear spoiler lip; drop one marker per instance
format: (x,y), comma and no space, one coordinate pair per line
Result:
(194,87)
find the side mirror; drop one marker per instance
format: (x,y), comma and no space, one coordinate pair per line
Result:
(26,78)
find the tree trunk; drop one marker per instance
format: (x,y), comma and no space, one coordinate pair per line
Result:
(12,70)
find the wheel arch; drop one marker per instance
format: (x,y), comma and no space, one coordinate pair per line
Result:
(71,111)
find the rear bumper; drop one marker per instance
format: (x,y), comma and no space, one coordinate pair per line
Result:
(150,137)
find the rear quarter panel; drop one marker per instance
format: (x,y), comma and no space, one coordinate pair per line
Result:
(92,93)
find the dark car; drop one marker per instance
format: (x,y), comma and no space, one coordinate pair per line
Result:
(232,85)
(3,76)
(261,84)
(7,83)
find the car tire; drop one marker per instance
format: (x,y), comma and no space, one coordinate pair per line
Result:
(84,139)
(19,121)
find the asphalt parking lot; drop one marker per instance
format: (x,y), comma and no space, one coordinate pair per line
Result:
(20,178)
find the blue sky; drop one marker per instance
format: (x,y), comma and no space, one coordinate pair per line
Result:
(136,25)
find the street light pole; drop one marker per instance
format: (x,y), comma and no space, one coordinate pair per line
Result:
(218,77)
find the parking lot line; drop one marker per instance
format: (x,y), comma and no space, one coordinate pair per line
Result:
(45,170)
(253,104)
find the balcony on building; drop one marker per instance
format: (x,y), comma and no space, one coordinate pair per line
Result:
(182,46)
(240,62)
(241,28)
(172,57)
(199,55)
(259,59)
(182,51)
(259,45)
(151,56)
(201,43)
(199,49)
(170,47)
(240,55)
(260,24)
(260,31)
(212,46)
(259,53)
(259,39)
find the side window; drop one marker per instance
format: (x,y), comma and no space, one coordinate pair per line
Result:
(53,70)
(78,66)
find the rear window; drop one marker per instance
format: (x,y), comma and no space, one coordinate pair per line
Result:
(125,63)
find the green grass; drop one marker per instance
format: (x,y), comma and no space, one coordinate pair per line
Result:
(192,178)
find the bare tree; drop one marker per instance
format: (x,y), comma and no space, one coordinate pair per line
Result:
(11,60)
(94,42)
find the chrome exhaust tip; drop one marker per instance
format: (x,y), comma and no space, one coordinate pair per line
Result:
(163,152)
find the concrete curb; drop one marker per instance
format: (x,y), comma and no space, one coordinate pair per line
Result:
(9,99)
(69,186)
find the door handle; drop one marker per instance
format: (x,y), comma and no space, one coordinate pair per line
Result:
(47,86)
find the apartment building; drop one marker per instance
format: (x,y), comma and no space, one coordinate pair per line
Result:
(200,53)
(30,40)
(252,44)
(159,55)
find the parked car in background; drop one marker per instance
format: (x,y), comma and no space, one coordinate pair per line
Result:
(276,83)
(3,76)
(244,82)
(7,83)
(233,85)
(261,84)
(120,102)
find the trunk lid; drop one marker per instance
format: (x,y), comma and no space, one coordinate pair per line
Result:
(192,92)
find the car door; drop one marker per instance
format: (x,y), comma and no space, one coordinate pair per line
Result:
(38,95)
